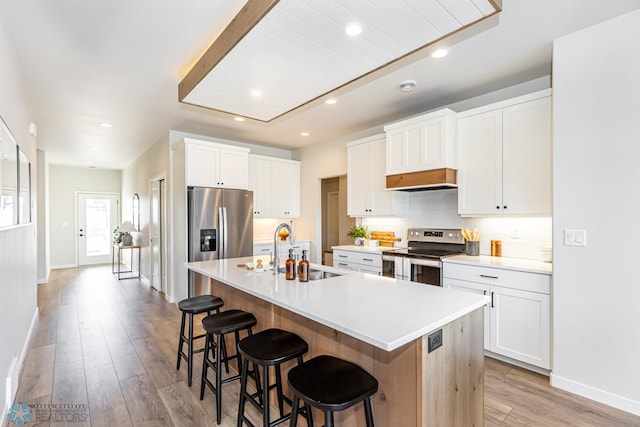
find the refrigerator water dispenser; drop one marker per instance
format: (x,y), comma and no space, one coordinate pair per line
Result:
(207,239)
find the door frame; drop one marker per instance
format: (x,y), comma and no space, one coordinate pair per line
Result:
(76,219)
(163,231)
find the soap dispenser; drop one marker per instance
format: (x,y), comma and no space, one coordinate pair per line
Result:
(290,267)
(304,268)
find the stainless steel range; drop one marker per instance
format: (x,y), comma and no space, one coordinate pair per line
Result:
(421,261)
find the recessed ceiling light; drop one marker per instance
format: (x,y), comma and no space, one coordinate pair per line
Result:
(353,29)
(440,53)
(256,92)
(331,101)
(239,119)
(106,125)
(407,85)
(305,134)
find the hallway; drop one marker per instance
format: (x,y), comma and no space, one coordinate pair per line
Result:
(107,350)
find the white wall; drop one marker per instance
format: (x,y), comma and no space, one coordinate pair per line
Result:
(319,161)
(151,164)
(596,310)
(64,182)
(43,217)
(18,263)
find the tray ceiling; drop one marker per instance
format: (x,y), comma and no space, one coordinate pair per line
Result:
(276,56)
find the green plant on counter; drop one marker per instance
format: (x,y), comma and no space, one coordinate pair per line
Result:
(359,231)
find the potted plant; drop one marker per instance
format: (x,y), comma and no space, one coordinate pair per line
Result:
(359,234)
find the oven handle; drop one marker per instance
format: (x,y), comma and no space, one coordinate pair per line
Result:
(426,262)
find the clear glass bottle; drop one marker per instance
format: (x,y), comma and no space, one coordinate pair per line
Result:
(290,267)
(304,268)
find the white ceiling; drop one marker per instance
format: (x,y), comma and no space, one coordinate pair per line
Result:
(304,45)
(121,62)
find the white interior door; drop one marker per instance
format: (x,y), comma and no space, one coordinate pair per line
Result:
(156,224)
(97,216)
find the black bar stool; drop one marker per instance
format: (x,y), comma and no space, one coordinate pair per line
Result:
(331,384)
(226,322)
(271,347)
(191,306)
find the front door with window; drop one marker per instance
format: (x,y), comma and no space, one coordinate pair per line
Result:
(97,218)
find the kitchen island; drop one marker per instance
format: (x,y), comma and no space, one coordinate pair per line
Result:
(383,324)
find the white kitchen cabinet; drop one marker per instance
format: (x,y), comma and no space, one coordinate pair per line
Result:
(364,262)
(517,321)
(286,188)
(366,182)
(210,164)
(276,187)
(260,183)
(421,143)
(504,157)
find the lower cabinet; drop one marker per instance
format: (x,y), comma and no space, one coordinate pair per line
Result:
(363,262)
(517,321)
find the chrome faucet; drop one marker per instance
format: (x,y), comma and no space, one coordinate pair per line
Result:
(276,238)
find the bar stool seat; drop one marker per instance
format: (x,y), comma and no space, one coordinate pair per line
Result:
(331,384)
(218,325)
(190,307)
(271,347)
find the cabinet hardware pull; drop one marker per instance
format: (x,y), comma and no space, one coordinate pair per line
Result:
(264,250)
(342,256)
(492,300)
(367,259)
(342,263)
(488,277)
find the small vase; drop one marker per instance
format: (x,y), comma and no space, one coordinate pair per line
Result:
(127,239)
(359,241)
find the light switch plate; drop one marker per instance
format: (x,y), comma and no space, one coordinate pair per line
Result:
(575,237)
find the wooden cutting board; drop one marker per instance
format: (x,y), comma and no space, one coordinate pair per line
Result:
(386,238)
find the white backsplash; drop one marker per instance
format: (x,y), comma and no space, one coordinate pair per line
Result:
(521,236)
(263,228)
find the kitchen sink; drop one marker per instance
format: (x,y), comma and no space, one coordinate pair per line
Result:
(315,274)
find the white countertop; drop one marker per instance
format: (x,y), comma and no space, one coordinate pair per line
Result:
(365,248)
(528,265)
(384,312)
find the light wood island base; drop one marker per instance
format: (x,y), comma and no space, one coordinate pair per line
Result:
(417,388)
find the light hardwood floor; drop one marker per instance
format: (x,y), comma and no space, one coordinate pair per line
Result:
(111,346)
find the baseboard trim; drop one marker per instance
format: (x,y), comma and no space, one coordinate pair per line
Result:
(602,396)
(58,267)
(13,376)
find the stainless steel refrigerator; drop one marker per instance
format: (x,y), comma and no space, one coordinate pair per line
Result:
(220,225)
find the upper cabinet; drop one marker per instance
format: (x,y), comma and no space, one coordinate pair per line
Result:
(421,143)
(276,187)
(211,164)
(504,157)
(366,194)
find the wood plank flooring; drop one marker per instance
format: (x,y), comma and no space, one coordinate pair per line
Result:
(109,347)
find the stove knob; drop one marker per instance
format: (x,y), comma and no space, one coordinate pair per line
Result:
(450,235)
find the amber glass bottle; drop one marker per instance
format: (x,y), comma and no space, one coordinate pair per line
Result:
(304,268)
(290,267)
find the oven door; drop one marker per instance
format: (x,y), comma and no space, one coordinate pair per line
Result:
(427,271)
